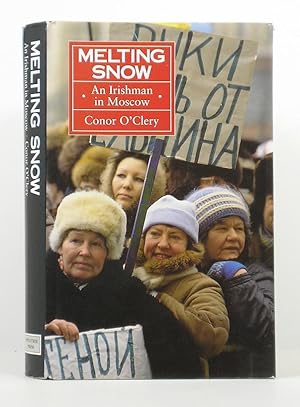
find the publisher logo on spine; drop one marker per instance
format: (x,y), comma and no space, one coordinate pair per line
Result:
(33,344)
(121,88)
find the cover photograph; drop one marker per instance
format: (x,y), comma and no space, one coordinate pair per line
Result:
(148,200)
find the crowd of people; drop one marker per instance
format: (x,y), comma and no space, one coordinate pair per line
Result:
(202,287)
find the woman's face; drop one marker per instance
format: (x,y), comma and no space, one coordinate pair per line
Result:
(128,182)
(226,239)
(163,241)
(83,255)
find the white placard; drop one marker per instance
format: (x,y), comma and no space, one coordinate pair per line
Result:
(117,353)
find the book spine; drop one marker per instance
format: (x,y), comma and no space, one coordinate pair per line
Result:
(34,67)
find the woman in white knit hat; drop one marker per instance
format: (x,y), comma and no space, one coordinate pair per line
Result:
(166,263)
(224,230)
(89,289)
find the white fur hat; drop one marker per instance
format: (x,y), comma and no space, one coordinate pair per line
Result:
(93,211)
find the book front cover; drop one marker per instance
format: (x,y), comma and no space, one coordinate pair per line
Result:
(139,121)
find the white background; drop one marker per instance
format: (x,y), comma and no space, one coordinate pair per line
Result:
(15,389)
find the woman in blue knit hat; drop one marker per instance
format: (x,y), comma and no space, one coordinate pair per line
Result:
(224,229)
(166,263)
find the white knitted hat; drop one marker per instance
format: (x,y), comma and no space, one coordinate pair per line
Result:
(93,211)
(170,211)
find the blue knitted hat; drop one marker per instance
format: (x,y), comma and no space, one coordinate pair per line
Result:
(170,211)
(217,202)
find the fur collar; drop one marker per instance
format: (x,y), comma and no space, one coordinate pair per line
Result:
(175,264)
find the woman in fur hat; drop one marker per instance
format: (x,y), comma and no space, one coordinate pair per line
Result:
(88,169)
(224,224)
(56,137)
(89,290)
(167,259)
(70,153)
(123,180)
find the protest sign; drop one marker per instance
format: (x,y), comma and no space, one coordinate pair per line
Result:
(117,353)
(212,86)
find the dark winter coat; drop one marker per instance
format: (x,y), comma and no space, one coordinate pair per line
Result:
(250,302)
(114,299)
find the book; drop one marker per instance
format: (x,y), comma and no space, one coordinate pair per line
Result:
(195,99)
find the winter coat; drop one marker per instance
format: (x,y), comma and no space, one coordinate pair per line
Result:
(114,299)
(250,303)
(195,300)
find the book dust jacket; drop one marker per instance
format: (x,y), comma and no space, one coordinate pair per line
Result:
(149,200)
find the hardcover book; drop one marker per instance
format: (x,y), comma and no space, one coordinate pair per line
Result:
(135,126)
